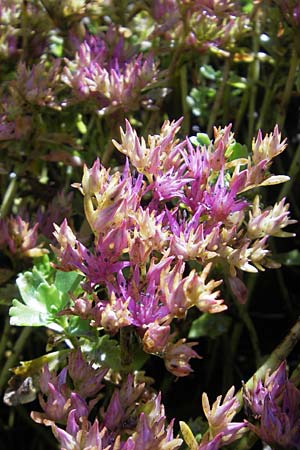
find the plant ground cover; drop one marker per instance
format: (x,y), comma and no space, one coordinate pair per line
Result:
(149,229)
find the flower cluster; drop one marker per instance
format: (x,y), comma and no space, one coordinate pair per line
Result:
(133,419)
(19,239)
(148,254)
(11,22)
(183,204)
(221,430)
(219,417)
(36,85)
(111,81)
(203,25)
(275,404)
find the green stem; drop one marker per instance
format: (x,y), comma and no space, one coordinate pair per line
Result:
(294,61)
(107,153)
(242,109)
(11,361)
(246,319)
(277,356)
(184,93)
(285,293)
(280,353)
(254,77)
(90,127)
(115,121)
(9,195)
(121,11)
(175,62)
(227,372)
(218,99)
(295,377)
(269,95)
(5,334)
(244,315)
(235,337)
(292,173)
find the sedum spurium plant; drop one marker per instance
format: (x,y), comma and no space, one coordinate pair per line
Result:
(171,226)
(153,259)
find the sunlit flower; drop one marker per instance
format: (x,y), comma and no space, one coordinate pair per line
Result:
(80,434)
(108,199)
(220,415)
(156,338)
(158,155)
(270,221)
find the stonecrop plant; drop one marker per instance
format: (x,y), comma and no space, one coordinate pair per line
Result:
(137,302)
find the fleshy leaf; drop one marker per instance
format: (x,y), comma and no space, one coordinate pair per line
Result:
(291,258)
(41,302)
(236,151)
(66,281)
(188,436)
(212,325)
(106,352)
(209,72)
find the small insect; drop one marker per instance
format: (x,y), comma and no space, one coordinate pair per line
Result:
(20,390)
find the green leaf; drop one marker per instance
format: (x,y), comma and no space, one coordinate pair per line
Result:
(203,139)
(211,325)
(236,151)
(42,264)
(291,258)
(106,352)
(237,82)
(33,366)
(66,281)
(200,139)
(81,126)
(41,302)
(209,72)
(78,327)
(56,46)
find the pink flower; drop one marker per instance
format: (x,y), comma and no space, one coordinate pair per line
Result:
(220,200)
(280,419)
(177,356)
(97,267)
(219,417)
(160,154)
(110,81)
(86,380)
(57,400)
(19,239)
(80,434)
(273,386)
(109,199)
(156,338)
